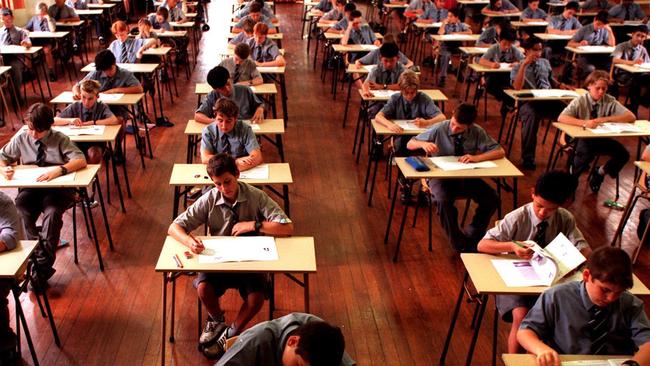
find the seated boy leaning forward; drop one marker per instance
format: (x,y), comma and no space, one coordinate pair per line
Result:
(40,145)
(232,208)
(230,135)
(461,137)
(595,316)
(87,112)
(294,339)
(540,221)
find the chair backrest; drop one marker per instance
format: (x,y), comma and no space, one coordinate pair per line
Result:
(230,341)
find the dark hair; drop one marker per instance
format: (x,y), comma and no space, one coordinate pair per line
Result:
(503,22)
(220,164)
(255,8)
(104,59)
(226,107)
(493,2)
(389,38)
(39,117)
(611,264)
(341,2)
(556,186)
(530,42)
(243,50)
(640,28)
(602,16)
(163,12)
(349,7)
(259,1)
(218,77)
(355,14)
(465,113)
(453,11)
(572,5)
(508,34)
(389,50)
(320,344)
(6,11)
(247,25)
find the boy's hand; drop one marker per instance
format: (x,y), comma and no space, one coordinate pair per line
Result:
(430,148)
(243,228)
(49,174)
(548,357)
(7,172)
(196,246)
(523,253)
(393,127)
(467,158)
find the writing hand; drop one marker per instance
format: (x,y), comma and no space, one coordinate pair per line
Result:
(49,175)
(467,158)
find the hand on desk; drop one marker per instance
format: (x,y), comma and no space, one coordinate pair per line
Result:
(395,128)
(50,174)
(420,122)
(467,158)
(258,117)
(430,148)
(245,163)
(77,122)
(523,253)
(584,43)
(195,245)
(243,228)
(25,44)
(548,357)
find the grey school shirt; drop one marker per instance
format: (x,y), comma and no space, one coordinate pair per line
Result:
(373,57)
(13,36)
(122,78)
(596,4)
(213,210)
(241,139)
(333,14)
(11,227)
(58,149)
(496,54)
(97,112)
(630,12)
(341,25)
(488,36)
(242,95)
(521,224)
(79,4)
(420,107)
(559,22)
(529,13)
(561,313)
(263,52)
(505,5)
(263,344)
(475,139)
(382,75)
(38,24)
(127,49)
(264,19)
(363,35)
(435,14)
(59,13)
(581,107)
(627,51)
(245,71)
(592,36)
(537,75)
(241,37)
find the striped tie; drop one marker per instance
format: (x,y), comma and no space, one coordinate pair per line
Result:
(40,155)
(597,329)
(124,57)
(226,144)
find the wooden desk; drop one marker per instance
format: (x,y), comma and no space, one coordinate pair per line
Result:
(75,24)
(134,68)
(487,281)
(47,35)
(522,24)
(421,25)
(396,6)
(474,2)
(455,37)
(350,48)
(84,13)
(644,168)
(504,15)
(101,6)
(510,359)
(634,69)
(593,50)
(13,263)
(158,51)
(171,34)
(263,89)
(554,37)
(274,36)
(473,51)
(487,70)
(296,256)
(30,52)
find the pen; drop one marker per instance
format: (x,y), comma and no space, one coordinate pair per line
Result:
(195,239)
(519,244)
(178,261)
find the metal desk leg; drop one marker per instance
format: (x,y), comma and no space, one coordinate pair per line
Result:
(21,315)
(306,281)
(495,335)
(347,101)
(84,196)
(401,230)
(454,318)
(173,311)
(116,177)
(164,320)
(285,193)
(177,193)
(103,207)
(553,147)
(391,211)
(470,353)
(280,146)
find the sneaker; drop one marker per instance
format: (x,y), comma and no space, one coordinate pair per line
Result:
(212,330)
(595,181)
(218,348)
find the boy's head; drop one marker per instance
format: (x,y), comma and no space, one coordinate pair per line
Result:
(533,45)
(608,275)
(41,9)
(552,190)
(89,93)
(601,19)
(571,9)
(7,17)
(105,61)
(409,83)
(255,12)
(247,26)
(120,30)
(495,4)
(464,116)
(639,35)
(348,9)
(39,119)
(224,173)
(316,343)
(340,5)
(226,113)
(388,55)
(533,4)
(144,25)
(440,4)
(507,38)
(259,32)
(242,51)
(162,14)
(501,23)
(597,83)
(219,80)
(356,19)
(452,15)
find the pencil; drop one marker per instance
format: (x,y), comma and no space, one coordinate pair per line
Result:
(179,264)
(195,239)
(519,244)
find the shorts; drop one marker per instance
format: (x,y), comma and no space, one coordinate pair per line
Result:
(246,283)
(506,303)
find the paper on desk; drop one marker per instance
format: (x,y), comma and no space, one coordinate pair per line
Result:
(612,127)
(608,362)
(597,48)
(254,126)
(259,172)
(505,65)
(645,65)
(384,93)
(553,93)
(29,175)
(461,37)
(407,125)
(369,67)
(451,163)
(517,273)
(110,97)
(94,130)
(541,24)
(239,249)
(368,47)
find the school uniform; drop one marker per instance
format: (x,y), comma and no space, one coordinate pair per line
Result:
(122,78)
(61,13)
(240,141)
(263,52)
(264,19)
(324,6)
(242,95)
(40,24)
(416,5)
(522,224)
(245,71)
(126,52)
(77,5)
(596,4)
(159,25)
(175,14)
(434,13)
(444,192)
(333,14)
(488,36)
(97,112)
(587,64)
(638,83)
(496,83)
(14,36)
(529,13)
(586,150)
(631,11)
(383,76)
(341,25)
(505,6)
(240,37)
(374,57)
(363,35)
(11,231)
(552,49)
(266,11)
(447,48)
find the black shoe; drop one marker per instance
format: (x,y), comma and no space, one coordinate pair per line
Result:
(595,181)
(205,27)
(163,122)
(38,285)
(528,165)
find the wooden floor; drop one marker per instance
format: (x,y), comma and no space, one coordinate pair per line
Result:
(391,314)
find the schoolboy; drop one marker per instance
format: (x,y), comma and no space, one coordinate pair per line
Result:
(242,69)
(451,25)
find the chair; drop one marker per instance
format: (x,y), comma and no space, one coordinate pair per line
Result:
(632,201)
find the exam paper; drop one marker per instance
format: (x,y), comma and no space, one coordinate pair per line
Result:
(517,273)
(613,127)
(384,93)
(609,362)
(505,65)
(541,24)
(254,126)
(451,163)
(29,175)
(94,130)
(368,47)
(597,48)
(553,93)
(239,249)
(462,37)
(407,125)
(110,97)
(258,173)
(645,65)
(369,67)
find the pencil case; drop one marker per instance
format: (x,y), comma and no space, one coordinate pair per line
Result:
(417,163)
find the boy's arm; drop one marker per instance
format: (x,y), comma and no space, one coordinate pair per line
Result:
(278,61)
(626,117)
(247,162)
(494,154)
(642,356)
(545,355)
(60,121)
(112,120)
(202,118)
(135,89)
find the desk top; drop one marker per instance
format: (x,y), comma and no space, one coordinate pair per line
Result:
(487,70)
(422,25)
(270,88)
(553,37)
(126,99)
(455,37)
(134,68)
(396,6)
(274,36)
(158,51)
(82,178)
(101,6)
(267,127)
(529,360)
(643,165)
(231,50)
(186,175)
(504,15)
(19,50)
(515,94)
(599,50)
(88,12)
(296,254)
(14,262)
(382,130)
(78,23)
(47,35)
(4,69)
(109,135)
(503,169)
(435,95)
(579,132)
(472,51)
(171,34)
(188,24)
(522,24)
(633,68)
(474,2)
(271,69)
(354,48)
(487,280)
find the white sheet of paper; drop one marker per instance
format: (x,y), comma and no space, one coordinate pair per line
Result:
(368,47)
(553,93)
(517,272)
(597,48)
(407,125)
(254,126)
(613,127)
(239,249)
(369,68)
(259,172)
(384,93)
(609,362)
(29,175)
(541,24)
(567,256)
(451,163)
(94,130)
(463,37)
(110,97)
(505,66)
(645,65)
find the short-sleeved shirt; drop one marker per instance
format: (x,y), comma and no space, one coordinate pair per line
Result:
(341,25)
(559,22)
(79,4)
(175,14)
(241,139)
(263,52)
(363,35)
(266,11)
(521,224)
(264,343)
(488,36)
(633,12)
(241,37)
(538,74)
(129,47)
(242,95)
(505,5)
(627,51)
(581,107)
(159,25)
(22,149)
(122,78)
(324,6)
(38,24)
(245,71)
(213,210)
(263,19)
(475,139)
(13,36)
(64,12)
(333,14)
(435,14)
(98,112)
(596,4)
(589,34)
(456,27)
(11,227)
(373,57)
(561,313)
(496,54)
(419,5)
(382,75)
(420,107)
(529,13)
